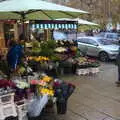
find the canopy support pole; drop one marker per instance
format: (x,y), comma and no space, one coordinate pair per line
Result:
(24,38)
(77,30)
(23,25)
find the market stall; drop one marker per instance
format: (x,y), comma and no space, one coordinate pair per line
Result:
(62,57)
(28,99)
(41,65)
(52,58)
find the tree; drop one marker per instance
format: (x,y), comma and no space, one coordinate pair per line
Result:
(100,10)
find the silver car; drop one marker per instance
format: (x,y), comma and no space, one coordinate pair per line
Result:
(99,47)
(110,36)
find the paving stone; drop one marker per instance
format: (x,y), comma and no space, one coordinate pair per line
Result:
(96,97)
(108,118)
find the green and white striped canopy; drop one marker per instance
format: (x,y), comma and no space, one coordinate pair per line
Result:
(53,24)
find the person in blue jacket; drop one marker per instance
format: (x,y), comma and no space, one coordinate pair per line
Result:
(14,55)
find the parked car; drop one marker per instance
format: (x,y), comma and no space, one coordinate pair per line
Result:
(110,36)
(98,47)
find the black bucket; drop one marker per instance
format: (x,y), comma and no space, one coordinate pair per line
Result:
(61,107)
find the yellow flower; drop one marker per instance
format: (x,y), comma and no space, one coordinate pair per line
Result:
(47,91)
(47,79)
(38,59)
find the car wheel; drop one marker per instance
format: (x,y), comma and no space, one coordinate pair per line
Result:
(103,56)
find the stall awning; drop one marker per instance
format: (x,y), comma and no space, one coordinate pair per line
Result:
(8,21)
(53,24)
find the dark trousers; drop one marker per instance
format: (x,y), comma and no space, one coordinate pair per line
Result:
(119,73)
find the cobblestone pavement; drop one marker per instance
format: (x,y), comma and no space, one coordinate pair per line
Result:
(96,96)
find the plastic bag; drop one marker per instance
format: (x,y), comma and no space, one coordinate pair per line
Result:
(71,89)
(35,108)
(64,90)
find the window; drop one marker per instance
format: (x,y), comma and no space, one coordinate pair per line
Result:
(83,40)
(101,35)
(112,36)
(88,41)
(109,36)
(104,42)
(92,42)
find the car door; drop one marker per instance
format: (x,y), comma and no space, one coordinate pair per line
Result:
(92,47)
(82,45)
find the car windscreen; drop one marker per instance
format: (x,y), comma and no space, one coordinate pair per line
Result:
(113,36)
(104,42)
(101,35)
(119,35)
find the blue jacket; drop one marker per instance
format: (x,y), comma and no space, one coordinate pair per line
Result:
(14,56)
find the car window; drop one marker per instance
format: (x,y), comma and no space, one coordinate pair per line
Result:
(83,40)
(87,41)
(92,42)
(112,36)
(80,40)
(101,35)
(109,36)
(119,35)
(104,42)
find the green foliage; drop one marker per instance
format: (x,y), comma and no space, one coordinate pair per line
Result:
(95,64)
(55,58)
(87,27)
(65,64)
(35,48)
(46,52)
(4,67)
(47,48)
(35,44)
(51,44)
(35,52)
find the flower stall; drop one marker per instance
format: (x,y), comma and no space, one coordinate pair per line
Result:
(62,54)
(28,99)
(34,83)
(63,57)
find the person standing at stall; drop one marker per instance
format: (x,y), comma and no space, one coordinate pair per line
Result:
(14,56)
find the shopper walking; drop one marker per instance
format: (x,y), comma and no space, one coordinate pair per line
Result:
(118,64)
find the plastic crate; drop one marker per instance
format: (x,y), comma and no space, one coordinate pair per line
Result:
(87,71)
(95,70)
(83,71)
(7,106)
(22,110)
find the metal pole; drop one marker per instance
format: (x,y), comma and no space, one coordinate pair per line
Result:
(23,25)
(23,28)
(77,30)
(29,31)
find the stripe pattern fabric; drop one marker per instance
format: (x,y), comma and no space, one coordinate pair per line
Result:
(53,26)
